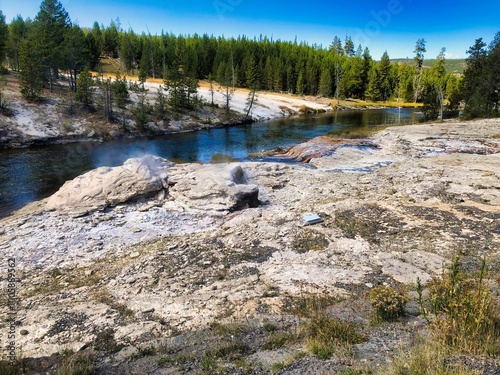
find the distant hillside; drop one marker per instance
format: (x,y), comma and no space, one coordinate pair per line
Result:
(452,65)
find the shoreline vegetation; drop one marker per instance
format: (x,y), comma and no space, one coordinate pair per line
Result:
(66,125)
(187,82)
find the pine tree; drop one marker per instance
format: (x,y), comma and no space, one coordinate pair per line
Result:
(84,89)
(75,56)
(93,49)
(141,113)
(4,36)
(17,32)
(226,83)
(50,24)
(336,46)
(325,82)
(161,104)
(120,90)
(349,47)
(373,91)
(385,86)
(301,87)
(110,40)
(32,70)
(493,76)
(106,98)
(419,63)
(473,82)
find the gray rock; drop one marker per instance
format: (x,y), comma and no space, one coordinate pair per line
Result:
(105,186)
(221,187)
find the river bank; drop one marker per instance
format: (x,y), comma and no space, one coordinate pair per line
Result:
(58,120)
(164,271)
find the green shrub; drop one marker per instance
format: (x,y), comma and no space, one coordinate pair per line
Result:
(425,358)
(324,335)
(388,303)
(76,365)
(466,317)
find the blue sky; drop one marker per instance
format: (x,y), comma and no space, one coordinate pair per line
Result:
(392,25)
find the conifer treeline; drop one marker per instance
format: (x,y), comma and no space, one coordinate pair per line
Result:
(51,42)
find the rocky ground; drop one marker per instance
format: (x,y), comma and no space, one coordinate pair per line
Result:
(189,278)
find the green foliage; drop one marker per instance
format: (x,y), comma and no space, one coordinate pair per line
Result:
(76,365)
(4,36)
(4,106)
(388,303)
(481,82)
(141,113)
(427,357)
(466,316)
(17,32)
(75,56)
(32,73)
(278,340)
(160,106)
(324,335)
(253,63)
(180,87)
(106,97)
(84,89)
(48,30)
(120,90)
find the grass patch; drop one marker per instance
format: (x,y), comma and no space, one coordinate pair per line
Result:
(324,335)
(269,327)
(280,366)
(424,358)
(310,305)
(308,240)
(278,340)
(465,314)
(76,365)
(103,296)
(105,342)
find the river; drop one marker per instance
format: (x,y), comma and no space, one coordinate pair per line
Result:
(31,174)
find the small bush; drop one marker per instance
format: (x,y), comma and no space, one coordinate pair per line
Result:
(466,317)
(269,327)
(325,334)
(388,303)
(76,365)
(309,240)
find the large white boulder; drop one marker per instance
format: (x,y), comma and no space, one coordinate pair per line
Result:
(108,186)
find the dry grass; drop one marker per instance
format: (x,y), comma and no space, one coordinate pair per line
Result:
(465,313)
(426,357)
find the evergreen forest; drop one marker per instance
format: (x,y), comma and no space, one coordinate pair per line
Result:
(42,47)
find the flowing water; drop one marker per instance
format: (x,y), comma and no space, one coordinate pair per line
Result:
(31,174)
